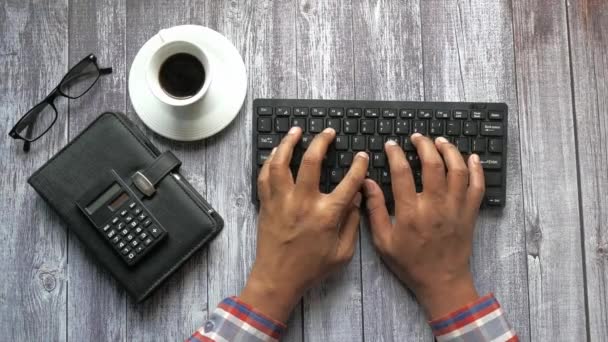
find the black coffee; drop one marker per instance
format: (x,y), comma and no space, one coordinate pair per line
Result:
(181,75)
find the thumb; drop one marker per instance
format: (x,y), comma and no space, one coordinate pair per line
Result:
(379,220)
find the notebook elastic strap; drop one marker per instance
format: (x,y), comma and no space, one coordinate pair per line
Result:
(145,180)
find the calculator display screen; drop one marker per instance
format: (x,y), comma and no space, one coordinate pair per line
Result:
(118,201)
(104,198)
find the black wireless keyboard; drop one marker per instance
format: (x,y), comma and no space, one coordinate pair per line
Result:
(366,125)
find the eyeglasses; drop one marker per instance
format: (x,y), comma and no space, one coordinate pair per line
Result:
(38,120)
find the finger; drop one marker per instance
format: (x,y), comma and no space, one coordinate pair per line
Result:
(310,167)
(349,230)
(351,184)
(380,222)
(264,178)
(279,172)
(458,173)
(477,185)
(433,169)
(404,188)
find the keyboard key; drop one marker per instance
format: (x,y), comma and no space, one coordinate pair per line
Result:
(407,113)
(351,126)
(371,113)
(121,226)
(491,129)
(374,143)
(425,113)
(334,123)
(436,128)
(478,114)
(493,178)
(385,176)
(420,127)
(106,228)
(300,111)
(299,122)
(402,127)
(491,162)
(495,145)
(469,128)
(389,113)
(453,128)
(306,140)
(371,173)
(357,143)
(353,112)
(442,114)
(264,110)
(315,125)
(463,145)
(385,126)
(268,141)
(341,143)
(413,159)
(281,125)
(407,144)
(345,159)
(263,156)
(336,175)
(367,126)
(495,115)
(379,160)
(318,111)
(460,114)
(478,145)
(282,111)
(264,125)
(393,138)
(493,197)
(336,112)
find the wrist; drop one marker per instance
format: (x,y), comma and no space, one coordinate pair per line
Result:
(269,298)
(442,298)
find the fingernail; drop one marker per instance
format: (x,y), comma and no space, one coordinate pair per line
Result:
(273,151)
(416,135)
(362,155)
(357,200)
(391,142)
(329,130)
(293,130)
(442,140)
(475,158)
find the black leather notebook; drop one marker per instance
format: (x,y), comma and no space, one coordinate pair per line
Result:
(127,203)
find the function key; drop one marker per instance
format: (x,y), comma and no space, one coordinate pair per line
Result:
(372,112)
(407,113)
(425,113)
(115,220)
(132,205)
(336,112)
(353,112)
(317,111)
(106,228)
(389,113)
(478,114)
(442,114)
(300,111)
(264,110)
(460,114)
(123,213)
(111,233)
(282,111)
(495,115)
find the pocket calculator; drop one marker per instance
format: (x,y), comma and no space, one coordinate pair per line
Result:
(120,216)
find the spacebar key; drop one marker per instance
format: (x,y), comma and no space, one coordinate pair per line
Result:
(267,141)
(491,162)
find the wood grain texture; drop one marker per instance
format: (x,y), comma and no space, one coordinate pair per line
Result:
(388,66)
(333,309)
(180,305)
(96,302)
(468,56)
(263,32)
(33,241)
(550,190)
(588,26)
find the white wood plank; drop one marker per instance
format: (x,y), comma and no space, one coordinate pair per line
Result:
(588,24)
(388,66)
(469,56)
(548,156)
(96,303)
(33,240)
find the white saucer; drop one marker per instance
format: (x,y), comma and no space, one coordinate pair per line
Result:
(215,110)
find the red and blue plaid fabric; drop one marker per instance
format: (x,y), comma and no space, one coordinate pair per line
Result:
(482,320)
(236,321)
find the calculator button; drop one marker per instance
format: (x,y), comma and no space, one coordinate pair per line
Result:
(142,217)
(121,225)
(125,250)
(111,233)
(131,255)
(138,230)
(134,243)
(124,232)
(133,224)
(137,211)
(116,239)
(147,222)
(132,205)
(139,248)
(123,213)
(115,220)
(155,231)
(129,237)
(121,244)
(128,219)
(148,241)
(143,236)
(106,228)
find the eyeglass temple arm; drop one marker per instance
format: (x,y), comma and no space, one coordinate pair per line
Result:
(105,71)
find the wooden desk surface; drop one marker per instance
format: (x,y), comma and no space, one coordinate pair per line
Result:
(545,256)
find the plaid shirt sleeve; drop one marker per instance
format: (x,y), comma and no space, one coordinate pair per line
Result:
(482,320)
(236,321)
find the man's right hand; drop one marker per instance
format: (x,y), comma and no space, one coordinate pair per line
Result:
(429,245)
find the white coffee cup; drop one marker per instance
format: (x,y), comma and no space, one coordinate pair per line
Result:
(169,48)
